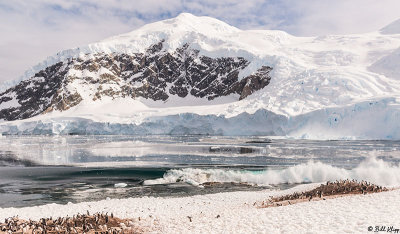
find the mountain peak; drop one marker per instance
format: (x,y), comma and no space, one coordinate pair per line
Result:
(185,15)
(188,22)
(184,28)
(392,28)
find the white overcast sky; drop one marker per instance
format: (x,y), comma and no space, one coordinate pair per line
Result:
(31,30)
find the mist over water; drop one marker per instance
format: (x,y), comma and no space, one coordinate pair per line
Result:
(40,170)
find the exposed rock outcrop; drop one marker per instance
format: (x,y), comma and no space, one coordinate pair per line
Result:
(156,74)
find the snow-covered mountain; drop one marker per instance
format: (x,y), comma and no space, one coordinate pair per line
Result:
(198,75)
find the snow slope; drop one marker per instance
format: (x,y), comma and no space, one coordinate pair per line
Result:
(393,28)
(333,86)
(234,213)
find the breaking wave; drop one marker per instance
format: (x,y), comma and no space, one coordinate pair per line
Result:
(373,170)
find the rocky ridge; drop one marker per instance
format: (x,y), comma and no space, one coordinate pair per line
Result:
(156,74)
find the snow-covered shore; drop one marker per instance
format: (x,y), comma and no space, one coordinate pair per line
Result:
(235,213)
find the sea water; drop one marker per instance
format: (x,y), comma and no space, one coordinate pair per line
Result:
(37,170)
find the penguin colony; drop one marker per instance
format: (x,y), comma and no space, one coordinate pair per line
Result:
(80,223)
(330,189)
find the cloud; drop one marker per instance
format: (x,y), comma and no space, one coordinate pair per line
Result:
(31,30)
(317,17)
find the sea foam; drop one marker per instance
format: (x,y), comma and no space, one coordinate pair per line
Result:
(373,170)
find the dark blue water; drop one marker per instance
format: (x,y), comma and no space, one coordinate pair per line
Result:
(40,170)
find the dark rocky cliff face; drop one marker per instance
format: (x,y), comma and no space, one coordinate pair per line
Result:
(156,74)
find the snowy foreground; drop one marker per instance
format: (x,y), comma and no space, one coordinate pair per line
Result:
(234,213)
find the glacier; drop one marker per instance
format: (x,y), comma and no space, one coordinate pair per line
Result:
(378,119)
(324,87)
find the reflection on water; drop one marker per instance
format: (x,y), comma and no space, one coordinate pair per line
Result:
(154,151)
(39,170)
